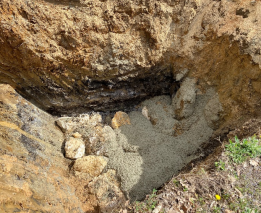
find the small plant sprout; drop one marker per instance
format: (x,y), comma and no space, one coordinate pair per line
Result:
(220,165)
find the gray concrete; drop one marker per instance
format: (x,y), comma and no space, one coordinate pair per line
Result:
(146,155)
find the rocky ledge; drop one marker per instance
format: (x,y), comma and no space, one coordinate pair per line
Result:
(76,56)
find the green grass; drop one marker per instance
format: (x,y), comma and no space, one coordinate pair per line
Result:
(240,151)
(242,206)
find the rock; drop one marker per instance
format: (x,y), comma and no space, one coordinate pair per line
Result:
(96,141)
(253,2)
(180,75)
(184,100)
(34,173)
(76,135)
(213,112)
(69,124)
(64,125)
(106,188)
(145,112)
(95,119)
(120,119)
(254,163)
(91,165)
(74,148)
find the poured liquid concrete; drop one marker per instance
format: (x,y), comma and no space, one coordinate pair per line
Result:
(149,152)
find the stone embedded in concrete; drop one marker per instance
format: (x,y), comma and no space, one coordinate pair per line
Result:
(184,100)
(76,135)
(74,148)
(91,165)
(145,112)
(213,112)
(106,189)
(120,119)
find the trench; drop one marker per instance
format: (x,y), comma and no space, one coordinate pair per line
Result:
(163,136)
(157,144)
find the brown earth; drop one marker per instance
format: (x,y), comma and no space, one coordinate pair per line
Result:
(101,55)
(77,56)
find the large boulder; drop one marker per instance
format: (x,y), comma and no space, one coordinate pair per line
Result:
(34,172)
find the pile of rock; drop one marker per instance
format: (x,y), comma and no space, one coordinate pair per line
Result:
(86,137)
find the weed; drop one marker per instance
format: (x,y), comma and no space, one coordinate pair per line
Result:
(217,209)
(225,196)
(151,202)
(147,205)
(241,189)
(220,165)
(176,182)
(185,189)
(139,206)
(243,206)
(202,171)
(239,151)
(202,201)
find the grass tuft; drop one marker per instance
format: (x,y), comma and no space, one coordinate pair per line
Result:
(240,151)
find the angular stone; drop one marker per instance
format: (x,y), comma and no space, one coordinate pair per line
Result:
(106,188)
(76,135)
(64,125)
(184,100)
(181,74)
(96,141)
(145,112)
(91,165)
(95,119)
(120,119)
(74,148)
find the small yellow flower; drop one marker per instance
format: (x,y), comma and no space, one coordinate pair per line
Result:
(217,197)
